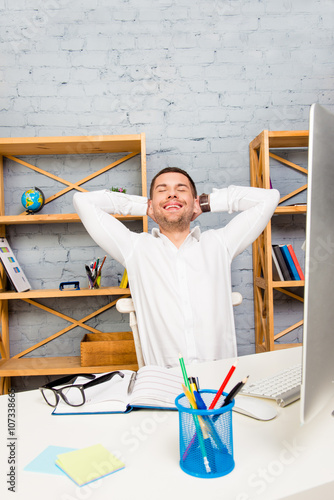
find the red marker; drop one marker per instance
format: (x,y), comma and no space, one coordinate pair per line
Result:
(224,384)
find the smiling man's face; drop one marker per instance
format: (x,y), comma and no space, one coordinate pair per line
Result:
(173,204)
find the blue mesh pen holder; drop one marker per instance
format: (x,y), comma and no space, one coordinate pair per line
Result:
(206,440)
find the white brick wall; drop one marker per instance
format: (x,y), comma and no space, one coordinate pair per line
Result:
(200,78)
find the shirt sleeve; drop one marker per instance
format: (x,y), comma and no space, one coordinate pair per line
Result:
(96,210)
(256,207)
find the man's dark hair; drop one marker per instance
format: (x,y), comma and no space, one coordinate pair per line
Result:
(178,171)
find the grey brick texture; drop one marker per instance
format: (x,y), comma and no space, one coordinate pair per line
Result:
(201,79)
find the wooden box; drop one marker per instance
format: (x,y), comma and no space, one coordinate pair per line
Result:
(115,350)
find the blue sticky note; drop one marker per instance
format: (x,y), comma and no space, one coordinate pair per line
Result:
(45,461)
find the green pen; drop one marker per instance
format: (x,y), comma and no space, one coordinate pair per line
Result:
(184,373)
(195,417)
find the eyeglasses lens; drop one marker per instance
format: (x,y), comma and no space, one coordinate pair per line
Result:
(73,396)
(50,397)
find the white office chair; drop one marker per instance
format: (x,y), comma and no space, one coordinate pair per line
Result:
(126,306)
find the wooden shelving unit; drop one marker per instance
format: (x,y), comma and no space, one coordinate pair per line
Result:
(264,285)
(12,148)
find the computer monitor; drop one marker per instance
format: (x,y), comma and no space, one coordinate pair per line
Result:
(318,335)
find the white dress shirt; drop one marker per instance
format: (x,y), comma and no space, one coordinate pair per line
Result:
(182,296)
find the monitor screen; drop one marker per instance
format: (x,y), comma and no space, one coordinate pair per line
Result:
(318,336)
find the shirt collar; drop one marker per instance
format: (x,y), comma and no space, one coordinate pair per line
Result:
(194,233)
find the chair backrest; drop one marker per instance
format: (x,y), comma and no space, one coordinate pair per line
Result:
(236,298)
(126,306)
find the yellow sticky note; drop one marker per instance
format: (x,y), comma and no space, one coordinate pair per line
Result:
(88,464)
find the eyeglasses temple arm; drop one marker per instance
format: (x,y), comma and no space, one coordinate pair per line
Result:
(68,378)
(102,379)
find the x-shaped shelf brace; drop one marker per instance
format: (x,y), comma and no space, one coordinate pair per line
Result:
(75,323)
(295,167)
(71,185)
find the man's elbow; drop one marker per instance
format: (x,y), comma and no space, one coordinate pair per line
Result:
(78,201)
(276,196)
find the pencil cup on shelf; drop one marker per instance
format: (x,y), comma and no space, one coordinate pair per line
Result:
(94,273)
(205,437)
(92,284)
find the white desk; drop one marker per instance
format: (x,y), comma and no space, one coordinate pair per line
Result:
(273,459)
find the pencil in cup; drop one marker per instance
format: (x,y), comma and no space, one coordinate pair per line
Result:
(97,281)
(200,427)
(201,434)
(218,438)
(208,421)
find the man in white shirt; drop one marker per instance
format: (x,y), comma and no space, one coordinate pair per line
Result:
(180,279)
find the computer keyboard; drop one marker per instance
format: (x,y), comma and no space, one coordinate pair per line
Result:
(284,386)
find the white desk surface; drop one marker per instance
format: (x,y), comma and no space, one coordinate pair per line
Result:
(273,460)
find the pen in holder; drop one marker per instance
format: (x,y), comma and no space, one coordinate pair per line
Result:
(94,273)
(205,436)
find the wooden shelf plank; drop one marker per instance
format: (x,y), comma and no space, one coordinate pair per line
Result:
(277,347)
(70,145)
(286,284)
(288,139)
(53,218)
(260,282)
(286,209)
(53,366)
(52,293)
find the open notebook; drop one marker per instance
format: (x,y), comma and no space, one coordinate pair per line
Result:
(154,387)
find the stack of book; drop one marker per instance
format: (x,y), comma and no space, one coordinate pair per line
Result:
(13,269)
(285,264)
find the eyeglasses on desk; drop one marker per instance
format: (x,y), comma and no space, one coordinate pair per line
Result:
(73,394)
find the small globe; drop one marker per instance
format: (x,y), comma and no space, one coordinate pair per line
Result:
(33,200)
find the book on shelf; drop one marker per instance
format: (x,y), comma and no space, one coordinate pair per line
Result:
(153,387)
(277,272)
(296,262)
(13,268)
(289,262)
(281,262)
(124,281)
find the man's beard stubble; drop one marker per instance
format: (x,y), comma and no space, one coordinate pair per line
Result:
(180,223)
